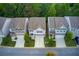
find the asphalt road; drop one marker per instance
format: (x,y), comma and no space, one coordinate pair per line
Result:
(38,51)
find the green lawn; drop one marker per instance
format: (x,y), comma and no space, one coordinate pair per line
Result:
(7,41)
(49,42)
(28,41)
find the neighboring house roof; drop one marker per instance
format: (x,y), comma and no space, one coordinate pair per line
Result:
(57,22)
(51,22)
(18,24)
(36,22)
(2,21)
(74,22)
(60,21)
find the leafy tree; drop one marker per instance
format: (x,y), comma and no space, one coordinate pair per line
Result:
(51,10)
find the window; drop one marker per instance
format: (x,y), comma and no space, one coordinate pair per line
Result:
(39,31)
(64,31)
(57,31)
(61,31)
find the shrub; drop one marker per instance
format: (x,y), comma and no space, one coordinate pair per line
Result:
(69,39)
(7,41)
(49,42)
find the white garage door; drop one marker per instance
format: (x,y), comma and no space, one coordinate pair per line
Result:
(60,41)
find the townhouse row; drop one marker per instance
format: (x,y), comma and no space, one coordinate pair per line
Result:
(37,25)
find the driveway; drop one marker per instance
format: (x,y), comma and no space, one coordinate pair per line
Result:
(60,41)
(20,41)
(39,41)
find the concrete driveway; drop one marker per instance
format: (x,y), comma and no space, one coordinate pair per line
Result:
(39,41)
(20,41)
(60,41)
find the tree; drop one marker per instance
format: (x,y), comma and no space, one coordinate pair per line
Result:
(51,10)
(75,10)
(62,9)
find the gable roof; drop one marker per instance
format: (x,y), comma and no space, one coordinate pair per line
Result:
(60,21)
(51,21)
(57,22)
(18,23)
(36,22)
(2,21)
(74,22)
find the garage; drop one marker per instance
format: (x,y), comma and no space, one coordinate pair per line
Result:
(60,41)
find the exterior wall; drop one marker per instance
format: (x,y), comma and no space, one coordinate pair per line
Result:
(60,31)
(36,32)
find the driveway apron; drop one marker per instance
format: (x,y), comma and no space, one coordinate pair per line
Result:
(20,41)
(60,41)
(39,41)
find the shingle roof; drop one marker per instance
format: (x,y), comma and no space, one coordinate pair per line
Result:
(2,21)
(60,21)
(51,22)
(18,23)
(57,22)
(36,22)
(74,22)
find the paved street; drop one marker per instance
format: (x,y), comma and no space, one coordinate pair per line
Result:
(20,41)
(60,41)
(38,51)
(39,41)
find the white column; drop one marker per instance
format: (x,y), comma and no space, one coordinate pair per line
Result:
(6,26)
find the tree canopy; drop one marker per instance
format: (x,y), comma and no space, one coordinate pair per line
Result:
(38,9)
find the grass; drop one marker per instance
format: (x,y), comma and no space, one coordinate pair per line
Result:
(7,41)
(49,42)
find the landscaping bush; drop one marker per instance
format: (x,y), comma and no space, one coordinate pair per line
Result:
(49,42)
(28,41)
(7,41)
(70,42)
